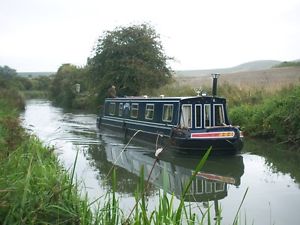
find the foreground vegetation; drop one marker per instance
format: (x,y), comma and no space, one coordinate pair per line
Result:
(34,188)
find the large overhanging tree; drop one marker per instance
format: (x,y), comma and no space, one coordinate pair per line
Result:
(132,58)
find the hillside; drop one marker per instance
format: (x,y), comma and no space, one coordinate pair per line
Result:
(249,66)
(273,78)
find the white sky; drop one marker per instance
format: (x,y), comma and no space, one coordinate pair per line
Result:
(40,35)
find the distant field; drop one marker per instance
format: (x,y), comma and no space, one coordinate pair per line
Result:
(269,79)
(249,66)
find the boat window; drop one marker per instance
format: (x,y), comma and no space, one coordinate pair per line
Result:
(112,109)
(149,112)
(207,122)
(219,187)
(121,109)
(198,116)
(219,115)
(134,110)
(167,113)
(186,116)
(199,186)
(208,187)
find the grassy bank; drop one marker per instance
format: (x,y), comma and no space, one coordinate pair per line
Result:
(11,134)
(34,188)
(275,117)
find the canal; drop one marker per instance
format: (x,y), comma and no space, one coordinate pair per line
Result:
(271,174)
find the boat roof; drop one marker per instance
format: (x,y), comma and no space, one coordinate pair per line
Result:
(163,98)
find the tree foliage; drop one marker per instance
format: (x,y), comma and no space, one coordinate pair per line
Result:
(7,74)
(132,58)
(62,89)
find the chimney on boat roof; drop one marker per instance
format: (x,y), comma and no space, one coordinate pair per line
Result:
(162,96)
(215,77)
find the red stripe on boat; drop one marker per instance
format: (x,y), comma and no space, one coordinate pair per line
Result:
(214,177)
(223,134)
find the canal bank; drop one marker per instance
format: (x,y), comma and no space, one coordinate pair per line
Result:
(273,195)
(34,187)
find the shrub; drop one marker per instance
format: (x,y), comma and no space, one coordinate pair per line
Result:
(276,117)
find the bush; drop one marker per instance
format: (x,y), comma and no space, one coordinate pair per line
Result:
(11,98)
(276,117)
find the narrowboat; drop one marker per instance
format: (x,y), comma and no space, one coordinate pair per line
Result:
(192,123)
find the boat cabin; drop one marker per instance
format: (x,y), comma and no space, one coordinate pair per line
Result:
(189,122)
(187,112)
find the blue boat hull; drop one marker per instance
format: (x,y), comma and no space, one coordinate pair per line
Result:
(179,139)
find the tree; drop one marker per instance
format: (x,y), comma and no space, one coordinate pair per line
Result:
(7,74)
(62,88)
(132,58)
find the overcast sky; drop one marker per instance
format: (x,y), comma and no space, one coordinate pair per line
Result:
(40,35)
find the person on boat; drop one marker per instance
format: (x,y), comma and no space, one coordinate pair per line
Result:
(112,93)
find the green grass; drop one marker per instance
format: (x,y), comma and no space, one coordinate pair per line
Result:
(276,117)
(36,190)
(11,134)
(11,100)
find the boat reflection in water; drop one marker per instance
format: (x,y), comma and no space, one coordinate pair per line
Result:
(173,170)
